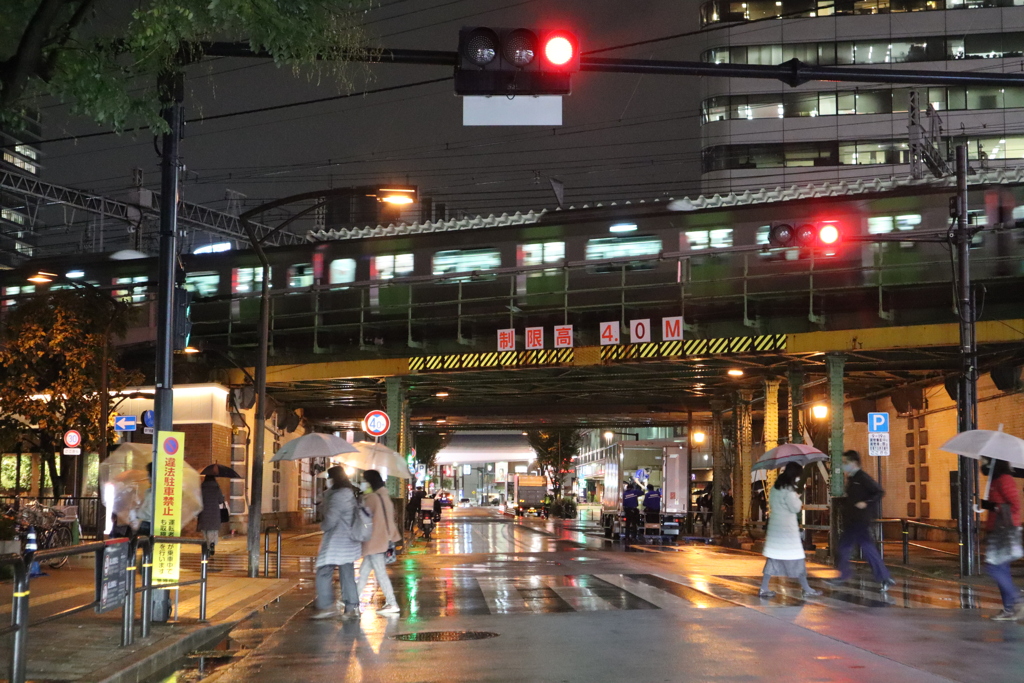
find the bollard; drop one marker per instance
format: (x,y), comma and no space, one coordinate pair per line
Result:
(19,618)
(128,609)
(147,580)
(905,528)
(266,551)
(203,562)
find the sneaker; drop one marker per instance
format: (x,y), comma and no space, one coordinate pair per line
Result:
(887,584)
(389,609)
(1006,615)
(766,594)
(325,614)
(811,592)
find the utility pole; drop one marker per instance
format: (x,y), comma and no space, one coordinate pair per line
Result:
(967,386)
(172,89)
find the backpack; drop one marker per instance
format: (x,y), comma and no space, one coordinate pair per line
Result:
(361,526)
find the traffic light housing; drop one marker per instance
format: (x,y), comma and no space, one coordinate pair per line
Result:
(182,318)
(825,234)
(519,61)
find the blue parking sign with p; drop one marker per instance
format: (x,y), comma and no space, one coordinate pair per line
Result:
(878,422)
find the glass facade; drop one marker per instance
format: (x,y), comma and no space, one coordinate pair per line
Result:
(877,51)
(739,11)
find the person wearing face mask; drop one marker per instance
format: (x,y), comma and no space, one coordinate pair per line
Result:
(860,506)
(782,545)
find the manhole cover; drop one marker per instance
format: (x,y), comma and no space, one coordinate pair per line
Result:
(444,636)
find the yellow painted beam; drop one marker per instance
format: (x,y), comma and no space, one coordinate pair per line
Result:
(347,369)
(909,337)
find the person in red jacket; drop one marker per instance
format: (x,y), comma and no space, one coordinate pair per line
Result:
(1003,490)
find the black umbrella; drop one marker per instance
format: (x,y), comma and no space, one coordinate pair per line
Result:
(218,470)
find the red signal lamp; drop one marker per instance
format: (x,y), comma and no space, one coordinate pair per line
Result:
(559,50)
(828,234)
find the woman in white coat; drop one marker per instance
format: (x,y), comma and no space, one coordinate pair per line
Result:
(782,544)
(337,548)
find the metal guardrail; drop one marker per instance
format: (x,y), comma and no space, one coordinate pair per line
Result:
(22,589)
(905,541)
(267,553)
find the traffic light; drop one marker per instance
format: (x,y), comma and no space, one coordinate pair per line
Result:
(182,318)
(824,234)
(520,61)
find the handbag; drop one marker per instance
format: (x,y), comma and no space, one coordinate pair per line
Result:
(225,515)
(391,554)
(1004,541)
(361,526)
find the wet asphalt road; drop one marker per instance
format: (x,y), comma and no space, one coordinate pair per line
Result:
(567,606)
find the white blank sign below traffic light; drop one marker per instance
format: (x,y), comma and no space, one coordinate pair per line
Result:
(524,110)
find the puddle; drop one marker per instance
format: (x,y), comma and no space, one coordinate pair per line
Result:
(199,664)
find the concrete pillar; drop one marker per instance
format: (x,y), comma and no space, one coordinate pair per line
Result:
(744,453)
(771,413)
(796,397)
(721,473)
(395,410)
(835,363)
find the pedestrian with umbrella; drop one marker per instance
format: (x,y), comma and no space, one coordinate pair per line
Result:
(215,511)
(863,495)
(998,451)
(782,545)
(338,548)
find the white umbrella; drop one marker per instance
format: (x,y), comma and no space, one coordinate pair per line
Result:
(979,443)
(375,456)
(315,445)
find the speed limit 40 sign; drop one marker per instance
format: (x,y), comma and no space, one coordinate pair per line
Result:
(376,423)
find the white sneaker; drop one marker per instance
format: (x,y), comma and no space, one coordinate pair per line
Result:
(389,609)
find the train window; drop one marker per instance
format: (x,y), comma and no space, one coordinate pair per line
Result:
(719,238)
(342,270)
(466,260)
(387,267)
(621,247)
(881,225)
(214,248)
(539,254)
(300,275)
(135,294)
(203,282)
(244,280)
(11,292)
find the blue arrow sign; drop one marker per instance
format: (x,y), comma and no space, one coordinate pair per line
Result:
(149,418)
(124,423)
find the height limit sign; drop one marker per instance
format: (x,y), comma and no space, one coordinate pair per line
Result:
(878,434)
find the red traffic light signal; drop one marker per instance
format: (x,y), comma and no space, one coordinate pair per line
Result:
(825,234)
(521,61)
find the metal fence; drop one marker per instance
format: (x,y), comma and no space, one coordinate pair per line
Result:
(88,509)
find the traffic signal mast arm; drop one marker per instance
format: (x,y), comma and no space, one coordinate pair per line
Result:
(793,73)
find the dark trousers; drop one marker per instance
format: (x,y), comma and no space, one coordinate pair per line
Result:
(632,521)
(1008,591)
(860,535)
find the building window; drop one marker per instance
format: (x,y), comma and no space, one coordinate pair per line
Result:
(342,270)
(388,267)
(300,275)
(736,11)
(203,282)
(718,238)
(622,247)
(804,154)
(20,162)
(466,260)
(245,280)
(12,216)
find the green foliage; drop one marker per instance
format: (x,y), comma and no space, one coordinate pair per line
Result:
(50,370)
(564,508)
(555,449)
(9,470)
(95,54)
(428,445)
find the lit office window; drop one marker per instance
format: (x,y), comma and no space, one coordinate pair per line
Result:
(622,247)
(246,280)
(300,275)
(387,267)
(203,282)
(12,216)
(342,270)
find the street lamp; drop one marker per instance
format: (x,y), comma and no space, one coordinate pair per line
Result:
(819,411)
(699,437)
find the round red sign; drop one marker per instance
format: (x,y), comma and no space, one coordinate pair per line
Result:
(376,423)
(72,439)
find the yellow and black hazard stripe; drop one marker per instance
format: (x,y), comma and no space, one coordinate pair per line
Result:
(770,342)
(470,360)
(618,352)
(716,346)
(647,350)
(508,358)
(672,348)
(564,355)
(695,347)
(416,364)
(488,360)
(434,362)
(453,362)
(740,344)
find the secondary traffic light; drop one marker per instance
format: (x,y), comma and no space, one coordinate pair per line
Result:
(182,318)
(520,61)
(824,234)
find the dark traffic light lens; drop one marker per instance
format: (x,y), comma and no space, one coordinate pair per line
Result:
(520,47)
(805,235)
(481,47)
(780,235)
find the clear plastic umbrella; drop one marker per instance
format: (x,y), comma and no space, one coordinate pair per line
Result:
(125,471)
(377,456)
(986,443)
(315,445)
(780,456)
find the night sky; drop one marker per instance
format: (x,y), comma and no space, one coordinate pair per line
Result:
(623,136)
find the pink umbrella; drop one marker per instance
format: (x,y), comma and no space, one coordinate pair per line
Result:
(780,456)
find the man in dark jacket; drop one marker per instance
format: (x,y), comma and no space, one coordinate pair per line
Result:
(631,508)
(860,508)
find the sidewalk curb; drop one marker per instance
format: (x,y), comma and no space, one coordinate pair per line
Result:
(159,656)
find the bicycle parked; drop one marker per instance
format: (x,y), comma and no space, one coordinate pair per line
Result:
(53,530)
